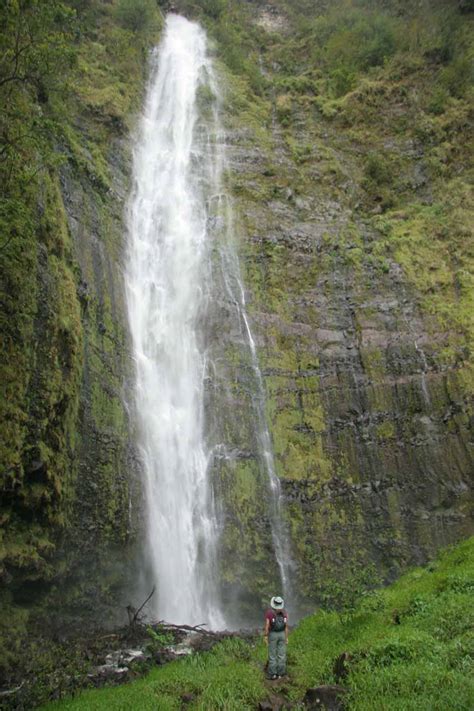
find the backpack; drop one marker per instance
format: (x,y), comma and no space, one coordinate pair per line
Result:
(278,623)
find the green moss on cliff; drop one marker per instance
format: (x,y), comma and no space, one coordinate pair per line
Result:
(432,243)
(39,472)
(357,259)
(64,357)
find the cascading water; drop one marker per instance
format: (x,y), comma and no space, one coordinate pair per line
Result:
(235,290)
(177,214)
(167,278)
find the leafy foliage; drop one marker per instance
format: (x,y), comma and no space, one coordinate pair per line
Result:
(137,15)
(33,42)
(343,594)
(159,638)
(354,39)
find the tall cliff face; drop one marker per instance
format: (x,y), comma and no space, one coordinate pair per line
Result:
(352,204)
(70,494)
(352,194)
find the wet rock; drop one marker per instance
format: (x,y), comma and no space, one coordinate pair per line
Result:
(274,703)
(325,697)
(118,663)
(130,656)
(466,6)
(37,469)
(109,672)
(187,699)
(163,656)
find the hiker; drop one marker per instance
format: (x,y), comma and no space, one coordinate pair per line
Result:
(276,638)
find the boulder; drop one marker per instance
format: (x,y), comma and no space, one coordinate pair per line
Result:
(274,703)
(325,697)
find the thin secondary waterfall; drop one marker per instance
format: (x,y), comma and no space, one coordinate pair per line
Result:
(167,291)
(179,221)
(235,290)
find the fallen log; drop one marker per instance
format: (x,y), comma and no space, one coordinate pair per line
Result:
(191,628)
(10,692)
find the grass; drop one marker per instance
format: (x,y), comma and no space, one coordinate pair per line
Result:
(411,646)
(228,677)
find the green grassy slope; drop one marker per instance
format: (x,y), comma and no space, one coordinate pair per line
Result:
(411,646)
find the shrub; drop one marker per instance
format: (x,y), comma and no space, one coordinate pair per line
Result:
(355,40)
(136,15)
(378,169)
(283,108)
(438,101)
(213,8)
(458,76)
(342,80)
(344,594)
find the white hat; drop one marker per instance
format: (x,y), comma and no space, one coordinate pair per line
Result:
(277,602)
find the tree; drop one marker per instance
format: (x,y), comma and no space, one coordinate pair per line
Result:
(36,50)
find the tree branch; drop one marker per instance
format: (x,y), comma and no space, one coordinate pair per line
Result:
(133,620)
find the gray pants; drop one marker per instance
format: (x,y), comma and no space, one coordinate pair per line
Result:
(277,653)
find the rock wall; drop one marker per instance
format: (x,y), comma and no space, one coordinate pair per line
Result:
(105,513)
(369,394)
(352,225)
(71,501)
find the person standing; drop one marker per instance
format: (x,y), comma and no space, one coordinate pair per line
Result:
(276,637)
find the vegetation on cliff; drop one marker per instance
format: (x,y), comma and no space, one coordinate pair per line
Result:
(351,166)
(352,177)
(71,76)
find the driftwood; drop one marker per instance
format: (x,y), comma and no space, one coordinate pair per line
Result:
(216,635)
(9,692)
(135,619)
(190,628)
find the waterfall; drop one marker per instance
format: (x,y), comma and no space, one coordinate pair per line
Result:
(236,293)
(179,224)
(167,277)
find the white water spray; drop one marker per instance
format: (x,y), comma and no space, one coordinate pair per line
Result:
(167,291)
